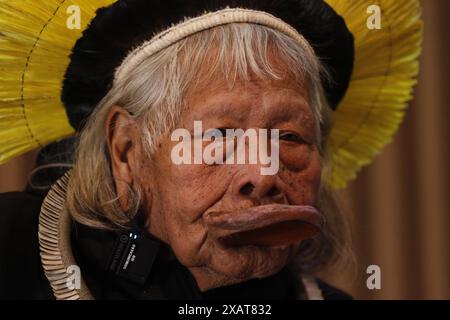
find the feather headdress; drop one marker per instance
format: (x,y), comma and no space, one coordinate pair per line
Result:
(373,70)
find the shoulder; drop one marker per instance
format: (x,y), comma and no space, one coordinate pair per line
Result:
(21,273)
(331,293)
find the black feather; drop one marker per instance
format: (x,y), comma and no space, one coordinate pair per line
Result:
(119,28)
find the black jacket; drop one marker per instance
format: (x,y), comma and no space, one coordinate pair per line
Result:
(22,275)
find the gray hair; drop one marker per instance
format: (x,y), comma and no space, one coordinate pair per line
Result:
(153,93)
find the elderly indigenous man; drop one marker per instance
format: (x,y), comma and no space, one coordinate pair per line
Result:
(128,221)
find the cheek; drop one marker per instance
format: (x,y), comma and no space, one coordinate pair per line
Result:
(301,172)
(195,188)
(186,192)
(191,186)
(183,193)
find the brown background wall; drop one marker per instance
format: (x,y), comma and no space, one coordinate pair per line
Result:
(399,206)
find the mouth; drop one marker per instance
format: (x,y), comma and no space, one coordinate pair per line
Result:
(268,225)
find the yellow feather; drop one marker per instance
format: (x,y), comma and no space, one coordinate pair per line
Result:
(35,45)
(381,86)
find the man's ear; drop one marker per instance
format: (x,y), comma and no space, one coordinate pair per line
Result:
(123,139)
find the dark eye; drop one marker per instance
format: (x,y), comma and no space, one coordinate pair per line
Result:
(223,131)
(216,132)
(291,136)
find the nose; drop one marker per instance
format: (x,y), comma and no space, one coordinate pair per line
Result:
(265,189)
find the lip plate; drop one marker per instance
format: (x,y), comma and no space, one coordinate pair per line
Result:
(274,224)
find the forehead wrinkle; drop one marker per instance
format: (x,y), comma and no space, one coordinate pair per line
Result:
(285,102)
(234,110)
(246,97)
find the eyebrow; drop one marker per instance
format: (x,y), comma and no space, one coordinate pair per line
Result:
(299,116)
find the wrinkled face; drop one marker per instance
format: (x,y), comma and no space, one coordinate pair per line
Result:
(227,222)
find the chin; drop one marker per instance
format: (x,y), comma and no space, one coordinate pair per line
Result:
(239,264)
(231,266)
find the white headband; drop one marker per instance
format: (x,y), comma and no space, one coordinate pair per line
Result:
(201,23)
